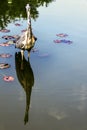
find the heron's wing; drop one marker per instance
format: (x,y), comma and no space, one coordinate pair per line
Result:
(21,42)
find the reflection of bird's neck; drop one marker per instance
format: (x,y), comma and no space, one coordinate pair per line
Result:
(28,96)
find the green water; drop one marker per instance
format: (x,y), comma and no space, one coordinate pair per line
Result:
(51,92)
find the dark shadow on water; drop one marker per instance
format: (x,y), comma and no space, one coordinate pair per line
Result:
(26,78)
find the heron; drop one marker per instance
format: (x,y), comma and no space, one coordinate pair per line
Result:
(27,40)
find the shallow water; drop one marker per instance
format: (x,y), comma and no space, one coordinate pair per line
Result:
(57,77)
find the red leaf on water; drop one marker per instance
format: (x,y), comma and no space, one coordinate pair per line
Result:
(61,35)
(17,24)
(5,30)
(5,55)
(57,41)
(7,37)
(4,44)
(63,41)
(66,41)
(8,78)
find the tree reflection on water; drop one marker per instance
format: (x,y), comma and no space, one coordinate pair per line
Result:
(10,10)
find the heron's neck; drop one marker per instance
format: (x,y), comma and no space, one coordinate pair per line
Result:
(29,29)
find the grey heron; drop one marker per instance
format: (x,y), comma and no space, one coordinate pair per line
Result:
(27,40)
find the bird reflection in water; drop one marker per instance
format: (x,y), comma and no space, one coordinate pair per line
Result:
(26,78)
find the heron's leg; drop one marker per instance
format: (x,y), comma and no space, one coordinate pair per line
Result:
(22,54)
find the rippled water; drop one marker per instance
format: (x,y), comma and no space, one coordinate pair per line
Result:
(56,76)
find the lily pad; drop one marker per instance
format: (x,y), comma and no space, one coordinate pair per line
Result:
(4,44)
(61,35)
(5,30)
(57,41)
(63,41)
(17,24)
(8,37)
(5,55)
(4,65)
(8,78)
(66,41)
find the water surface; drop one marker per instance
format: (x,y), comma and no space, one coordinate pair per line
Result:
(57,95)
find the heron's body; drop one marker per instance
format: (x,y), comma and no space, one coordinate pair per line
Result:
(25,43)
(27,39)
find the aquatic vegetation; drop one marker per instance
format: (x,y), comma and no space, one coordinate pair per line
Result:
(5,55)
(4,65)
(11,39)
(8,78)
(62,35)
(5,44)
(66,41)
(8,37)
(4,30)
(63,41)
(17,24)
(57,41)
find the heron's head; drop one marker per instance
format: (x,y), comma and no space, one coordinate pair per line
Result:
(27,7)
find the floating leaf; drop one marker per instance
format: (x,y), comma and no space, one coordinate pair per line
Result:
(4,65)
(61,35)
(4,44)
(63,41)
(5,30)
(12,39)
(5,55)
(7,37)
(8,78)
(17,24)
(66,41)
(57,41)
